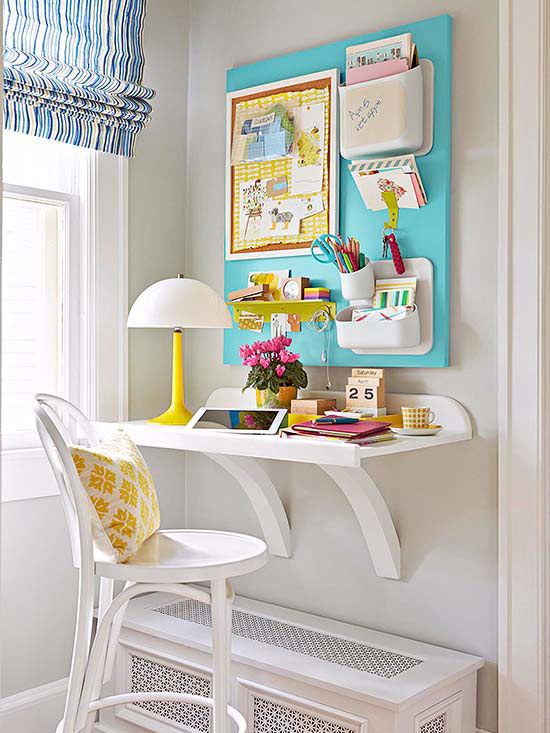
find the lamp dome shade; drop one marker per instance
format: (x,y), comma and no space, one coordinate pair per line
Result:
(179,302)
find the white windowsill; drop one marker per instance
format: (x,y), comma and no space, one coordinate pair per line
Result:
(25,474)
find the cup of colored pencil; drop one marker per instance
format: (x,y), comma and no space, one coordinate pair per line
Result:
(357,278)
(352,252)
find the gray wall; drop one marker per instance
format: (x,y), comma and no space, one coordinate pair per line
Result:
(38,582)
(444,500)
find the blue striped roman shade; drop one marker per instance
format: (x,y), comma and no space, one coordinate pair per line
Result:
(73,70)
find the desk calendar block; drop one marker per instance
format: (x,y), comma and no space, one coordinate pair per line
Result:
(362,396)
(366,388)
(367,372)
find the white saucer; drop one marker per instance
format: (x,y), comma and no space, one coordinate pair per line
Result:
(432,430)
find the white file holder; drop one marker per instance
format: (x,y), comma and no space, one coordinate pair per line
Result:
(388,116)
(410,335)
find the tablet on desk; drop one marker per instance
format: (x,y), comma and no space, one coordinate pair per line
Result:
(252,421)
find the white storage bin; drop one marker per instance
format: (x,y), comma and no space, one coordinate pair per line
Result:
(400,334)
(383,116)
(358,286)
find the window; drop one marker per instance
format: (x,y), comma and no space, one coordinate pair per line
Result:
(40,256)
(63,277)
(32,299)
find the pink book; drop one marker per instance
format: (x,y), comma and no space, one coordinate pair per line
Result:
(360,429)
(368,72)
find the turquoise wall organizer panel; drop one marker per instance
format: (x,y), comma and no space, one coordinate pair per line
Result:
(421,233)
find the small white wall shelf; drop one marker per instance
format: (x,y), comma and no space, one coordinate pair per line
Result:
(345,463)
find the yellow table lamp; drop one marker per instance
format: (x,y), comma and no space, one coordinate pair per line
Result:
(178,303)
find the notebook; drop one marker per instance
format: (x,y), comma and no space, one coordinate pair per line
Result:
(360,429)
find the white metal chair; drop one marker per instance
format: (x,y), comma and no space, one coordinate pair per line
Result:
(167,561)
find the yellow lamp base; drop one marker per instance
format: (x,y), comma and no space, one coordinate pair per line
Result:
(174,415)
(177,413)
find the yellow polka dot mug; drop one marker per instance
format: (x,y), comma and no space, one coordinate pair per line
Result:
(417,417)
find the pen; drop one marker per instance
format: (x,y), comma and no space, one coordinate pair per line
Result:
(335,420)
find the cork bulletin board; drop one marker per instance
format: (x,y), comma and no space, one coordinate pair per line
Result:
(260,220)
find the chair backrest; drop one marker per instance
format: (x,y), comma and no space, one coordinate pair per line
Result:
(60,423)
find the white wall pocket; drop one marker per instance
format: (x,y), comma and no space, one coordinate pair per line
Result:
(401,334)
(388,116)
(412,334)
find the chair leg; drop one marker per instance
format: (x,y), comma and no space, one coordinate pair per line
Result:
(81,647)
(113,640)
(221,648)
(106,595)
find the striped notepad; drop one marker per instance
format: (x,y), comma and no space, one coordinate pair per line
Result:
(394,291)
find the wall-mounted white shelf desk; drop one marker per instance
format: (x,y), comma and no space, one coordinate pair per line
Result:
(346,464)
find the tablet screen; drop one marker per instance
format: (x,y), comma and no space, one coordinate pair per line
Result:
(237,419)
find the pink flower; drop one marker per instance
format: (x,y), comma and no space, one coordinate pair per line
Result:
(249,420)
(285,341)
(245,351)
(292,358)
(251,360)
(265,362)
(284,356)
(280,370)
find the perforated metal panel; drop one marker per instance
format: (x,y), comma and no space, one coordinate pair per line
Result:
(435,725)
(149,676)
(272,717)
(327,647)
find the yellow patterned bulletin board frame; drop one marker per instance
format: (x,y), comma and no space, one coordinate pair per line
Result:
(301,91)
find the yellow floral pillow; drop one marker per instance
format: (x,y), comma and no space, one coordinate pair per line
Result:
(121,489)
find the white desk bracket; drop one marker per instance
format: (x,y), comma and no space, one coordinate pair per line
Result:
(373,516)
(264,499)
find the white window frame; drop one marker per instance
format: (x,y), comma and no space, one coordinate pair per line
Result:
(100,234)
(72,251)
(524,367)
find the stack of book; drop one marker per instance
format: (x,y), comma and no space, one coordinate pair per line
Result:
(360,432)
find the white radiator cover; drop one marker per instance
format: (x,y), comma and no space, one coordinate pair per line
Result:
(292,673)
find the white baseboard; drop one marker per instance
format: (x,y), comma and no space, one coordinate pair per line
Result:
(34,696)
(37,710)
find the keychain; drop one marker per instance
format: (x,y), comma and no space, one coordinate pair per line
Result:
(389,240)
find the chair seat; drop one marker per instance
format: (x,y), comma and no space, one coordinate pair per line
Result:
(189,555)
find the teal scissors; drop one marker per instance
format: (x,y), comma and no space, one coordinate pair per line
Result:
(326,249)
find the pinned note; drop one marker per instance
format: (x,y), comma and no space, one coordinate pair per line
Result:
(277,187)
(294,321)
(309,149)
(251,321)
(279,324)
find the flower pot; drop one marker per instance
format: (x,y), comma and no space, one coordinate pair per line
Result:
(282,398)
